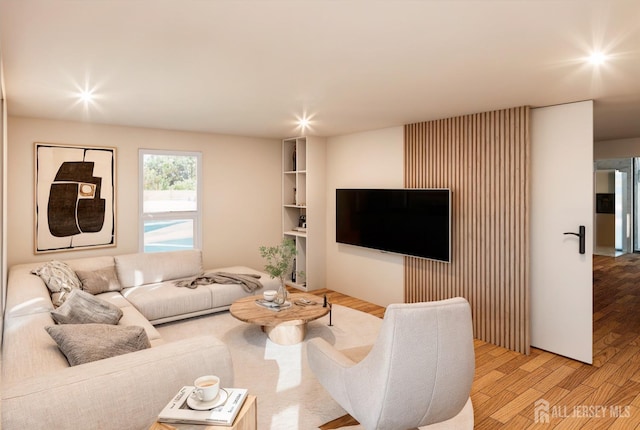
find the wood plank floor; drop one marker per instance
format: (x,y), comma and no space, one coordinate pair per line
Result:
(605,395)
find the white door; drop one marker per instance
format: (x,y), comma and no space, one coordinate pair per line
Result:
(561,201)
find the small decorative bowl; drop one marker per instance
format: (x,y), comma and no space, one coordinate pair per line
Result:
(269,295)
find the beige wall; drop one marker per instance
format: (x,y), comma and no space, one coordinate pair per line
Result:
(241,187)
(620,148)
(372,159)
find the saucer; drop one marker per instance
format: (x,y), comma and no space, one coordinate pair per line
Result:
(199,405)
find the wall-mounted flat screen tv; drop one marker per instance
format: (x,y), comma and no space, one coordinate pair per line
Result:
(409,221)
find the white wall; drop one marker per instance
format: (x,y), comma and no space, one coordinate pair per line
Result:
(619,148)
(241,186)
(372,159)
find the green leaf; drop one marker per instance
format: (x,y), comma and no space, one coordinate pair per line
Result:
(279,258)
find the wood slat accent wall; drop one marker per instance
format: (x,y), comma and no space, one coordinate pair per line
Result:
(484,160)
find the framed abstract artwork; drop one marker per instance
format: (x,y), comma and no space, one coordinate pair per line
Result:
(75,197)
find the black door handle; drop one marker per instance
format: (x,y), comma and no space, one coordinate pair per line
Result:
(581,236)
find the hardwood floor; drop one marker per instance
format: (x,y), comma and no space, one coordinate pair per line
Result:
(605,395)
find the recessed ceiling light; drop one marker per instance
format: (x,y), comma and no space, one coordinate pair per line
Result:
(86,96)
(304,122)
(597,58)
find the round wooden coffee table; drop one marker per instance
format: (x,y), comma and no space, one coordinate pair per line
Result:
(284,327)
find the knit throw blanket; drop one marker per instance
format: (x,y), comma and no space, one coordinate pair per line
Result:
(249,281)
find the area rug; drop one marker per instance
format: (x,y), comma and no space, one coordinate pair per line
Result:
(289,396)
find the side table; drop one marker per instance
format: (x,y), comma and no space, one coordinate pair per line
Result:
(247,419)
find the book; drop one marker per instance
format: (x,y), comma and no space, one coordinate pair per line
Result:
(177,411)
(272,305)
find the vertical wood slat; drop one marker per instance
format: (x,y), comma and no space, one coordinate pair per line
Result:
(484,160)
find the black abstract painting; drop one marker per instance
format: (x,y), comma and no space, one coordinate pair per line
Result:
(75,197)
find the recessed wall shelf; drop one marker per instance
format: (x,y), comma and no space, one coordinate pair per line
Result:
(303,167)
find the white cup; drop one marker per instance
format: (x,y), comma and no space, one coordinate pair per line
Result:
(207,387)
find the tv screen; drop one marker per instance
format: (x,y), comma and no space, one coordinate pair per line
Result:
(410,221)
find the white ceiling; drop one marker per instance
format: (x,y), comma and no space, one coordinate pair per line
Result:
(250,67)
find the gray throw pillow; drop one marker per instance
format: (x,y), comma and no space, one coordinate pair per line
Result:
(83,343)
(99,281)
(59,278)
(83,308)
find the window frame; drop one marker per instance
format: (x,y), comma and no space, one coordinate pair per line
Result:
(195,216)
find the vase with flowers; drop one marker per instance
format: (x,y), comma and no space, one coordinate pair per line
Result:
(279,264)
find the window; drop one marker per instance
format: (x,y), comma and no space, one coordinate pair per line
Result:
(169,200)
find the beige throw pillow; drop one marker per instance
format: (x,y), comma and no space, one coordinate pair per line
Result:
(59,278)
(83,343)
(99,281)
(83,308)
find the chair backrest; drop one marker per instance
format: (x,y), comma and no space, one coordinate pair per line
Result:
(421,366)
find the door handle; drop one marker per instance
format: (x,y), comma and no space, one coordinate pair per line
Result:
(581,236)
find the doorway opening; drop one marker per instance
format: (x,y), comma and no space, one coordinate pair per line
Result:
(615,217)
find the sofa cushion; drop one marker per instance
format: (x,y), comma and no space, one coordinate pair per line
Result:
(125,392)
(99,281)
(83,343)
(26,293)
(131,315)
(82,308)
(59,278)
(91,263)
(164,299)
(28,350)
(140,269)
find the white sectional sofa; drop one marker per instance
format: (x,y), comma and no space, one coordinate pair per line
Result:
(41,390)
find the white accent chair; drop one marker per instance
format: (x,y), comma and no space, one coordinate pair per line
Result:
(417,374)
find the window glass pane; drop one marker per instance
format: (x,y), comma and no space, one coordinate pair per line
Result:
(170,183)
(168,235)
